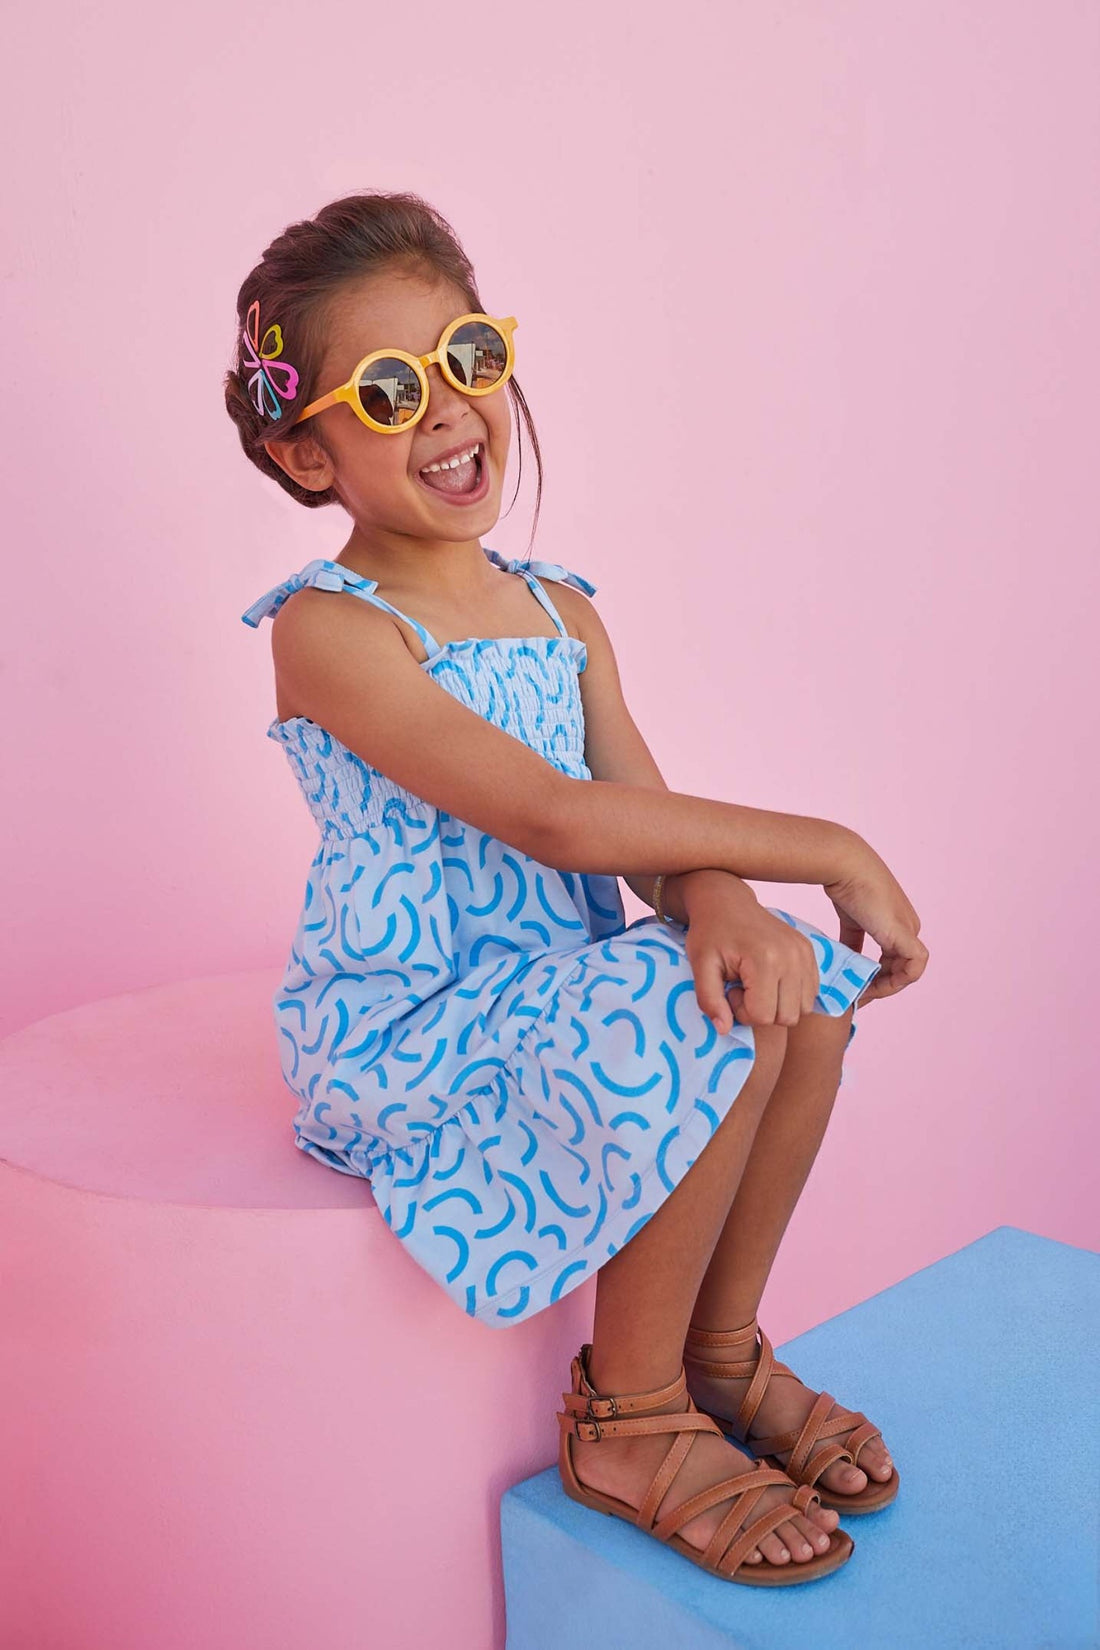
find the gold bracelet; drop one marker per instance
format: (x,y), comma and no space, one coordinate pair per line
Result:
(671,921)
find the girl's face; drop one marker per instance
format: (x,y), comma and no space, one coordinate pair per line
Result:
(378,477)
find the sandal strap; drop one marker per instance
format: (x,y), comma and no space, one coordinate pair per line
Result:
(602,1415)
(637,1426)
(662,1478)
(746,1540)
(747,1487)
(591,1415)
(758,1370)
(584,1399)
(765,1368)
(729,1558)
(713,1339)
(804,1465)
(818,1426)
(862,1434)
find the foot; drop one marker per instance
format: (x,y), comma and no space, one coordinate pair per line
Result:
(625,1468)
(784,1407)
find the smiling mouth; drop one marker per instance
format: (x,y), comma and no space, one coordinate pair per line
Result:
(456,480)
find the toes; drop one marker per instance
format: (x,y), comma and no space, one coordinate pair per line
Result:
(876,1460)
(826,1518)
(813,1533)
(774,1550)
(842,1478)
(753,1557)
(794,1540)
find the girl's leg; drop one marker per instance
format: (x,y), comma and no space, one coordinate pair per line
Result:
(783,1151)
(644,1296)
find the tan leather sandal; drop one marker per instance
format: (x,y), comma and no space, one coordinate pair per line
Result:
(591,1416)
(809,1456)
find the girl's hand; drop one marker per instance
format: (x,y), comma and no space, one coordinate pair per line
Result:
(870,900)
(731,936)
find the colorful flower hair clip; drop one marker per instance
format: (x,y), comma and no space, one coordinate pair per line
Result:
(271,378)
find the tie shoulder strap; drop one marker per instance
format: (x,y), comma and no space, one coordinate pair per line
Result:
(322,574)
(331,575)
(542,570)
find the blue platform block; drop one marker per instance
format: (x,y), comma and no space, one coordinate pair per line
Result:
(982,1371)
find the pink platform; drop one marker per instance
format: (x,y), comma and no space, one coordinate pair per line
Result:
(233,1412)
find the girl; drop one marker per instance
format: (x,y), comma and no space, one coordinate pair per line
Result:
(537,1092)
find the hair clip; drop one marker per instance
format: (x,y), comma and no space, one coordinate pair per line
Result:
(265,383)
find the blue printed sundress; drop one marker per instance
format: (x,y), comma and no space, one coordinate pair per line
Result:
(521,1076)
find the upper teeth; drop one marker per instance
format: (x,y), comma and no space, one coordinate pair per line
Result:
(452,463)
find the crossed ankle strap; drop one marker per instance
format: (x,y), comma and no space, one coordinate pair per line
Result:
(596,1415)
(701,1341)
(716,1338)
(810,1449)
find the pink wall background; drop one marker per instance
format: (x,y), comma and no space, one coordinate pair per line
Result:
(840,264)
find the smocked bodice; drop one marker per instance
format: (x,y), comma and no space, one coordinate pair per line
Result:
(527,686)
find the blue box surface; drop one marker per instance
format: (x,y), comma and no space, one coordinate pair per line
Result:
(982,1371)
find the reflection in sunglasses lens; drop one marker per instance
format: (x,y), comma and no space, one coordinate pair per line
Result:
(389,391)
(477,355)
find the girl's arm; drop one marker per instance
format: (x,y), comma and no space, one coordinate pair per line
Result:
(615,750)
(727,929)
(344,664)
(604,823)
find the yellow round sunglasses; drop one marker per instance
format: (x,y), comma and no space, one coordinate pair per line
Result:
(389,392)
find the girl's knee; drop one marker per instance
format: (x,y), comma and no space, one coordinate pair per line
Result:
(824,1033)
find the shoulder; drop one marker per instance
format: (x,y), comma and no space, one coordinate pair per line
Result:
(579,613)
(581,618)
(318,631)
(310,614)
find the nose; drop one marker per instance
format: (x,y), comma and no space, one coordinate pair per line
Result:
(445,404)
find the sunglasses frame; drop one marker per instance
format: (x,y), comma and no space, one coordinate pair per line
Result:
(349,392)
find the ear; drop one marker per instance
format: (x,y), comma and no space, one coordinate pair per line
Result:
(305,462)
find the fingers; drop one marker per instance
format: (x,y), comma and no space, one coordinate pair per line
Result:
(761,1003)
(710,989)
(917,961)
(811,976)
(893,976)
(789,1000)
(774,984)
(776,993)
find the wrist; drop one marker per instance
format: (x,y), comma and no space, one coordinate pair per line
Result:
(848,853)
(683,890)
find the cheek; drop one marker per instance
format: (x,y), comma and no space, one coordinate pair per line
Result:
(381,465)
(497,412)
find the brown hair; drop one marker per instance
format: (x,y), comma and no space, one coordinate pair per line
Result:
(295,280)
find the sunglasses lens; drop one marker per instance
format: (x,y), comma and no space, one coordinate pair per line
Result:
(477,355)
(389,391)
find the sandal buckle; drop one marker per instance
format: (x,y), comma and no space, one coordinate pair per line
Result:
(591,1419)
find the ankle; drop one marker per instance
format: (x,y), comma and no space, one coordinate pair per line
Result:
(610,1376)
